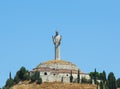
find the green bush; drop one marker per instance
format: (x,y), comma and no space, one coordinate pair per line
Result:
(35,76)
(21,75)
(16,79)
(5,87)
(39,81)
(9,83)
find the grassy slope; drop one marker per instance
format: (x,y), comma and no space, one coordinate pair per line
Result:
(54,86)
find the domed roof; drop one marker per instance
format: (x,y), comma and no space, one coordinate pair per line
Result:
(58,64)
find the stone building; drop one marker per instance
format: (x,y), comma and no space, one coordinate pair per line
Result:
(58,70)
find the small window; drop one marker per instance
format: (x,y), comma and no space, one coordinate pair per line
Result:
(54,74)
(45,73)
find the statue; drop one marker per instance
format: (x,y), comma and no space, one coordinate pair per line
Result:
(57,40)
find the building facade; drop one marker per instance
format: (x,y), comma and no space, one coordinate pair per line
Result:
(58,71)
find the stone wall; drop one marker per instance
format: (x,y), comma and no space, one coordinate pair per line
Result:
(58,70)
(59,66)
(59,77)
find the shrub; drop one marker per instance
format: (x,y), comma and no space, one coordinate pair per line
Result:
(39,81)
(35,76)
(9,83)
(21,75)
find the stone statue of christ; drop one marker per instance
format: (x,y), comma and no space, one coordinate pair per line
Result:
(57,40)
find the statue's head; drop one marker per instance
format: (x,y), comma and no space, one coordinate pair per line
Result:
(56,33)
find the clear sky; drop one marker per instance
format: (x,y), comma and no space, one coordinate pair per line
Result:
(90,32)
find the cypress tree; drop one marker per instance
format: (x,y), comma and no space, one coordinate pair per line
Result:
(95,76)
(78,77)
(104,77)
(10,76)
(9,82)
(101,85)
(111,81)
(71,77)
(118,82)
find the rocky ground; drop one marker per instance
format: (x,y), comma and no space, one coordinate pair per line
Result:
(53,85)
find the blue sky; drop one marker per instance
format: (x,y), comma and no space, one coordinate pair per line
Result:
(90,32)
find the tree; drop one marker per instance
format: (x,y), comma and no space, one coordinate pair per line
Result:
(16,79)
(39,81)
(101,85)
(111,81)
(5,87)
(118,82)
(71,77)
(9,82)
(91,74)
(35,76)
(94,75)
(10,76)
(78,77)
(104,77)
(22,75)
(106,85)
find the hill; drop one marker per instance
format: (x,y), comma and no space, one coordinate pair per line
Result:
(53,85)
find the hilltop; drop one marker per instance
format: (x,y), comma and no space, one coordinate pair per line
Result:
(53,85)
